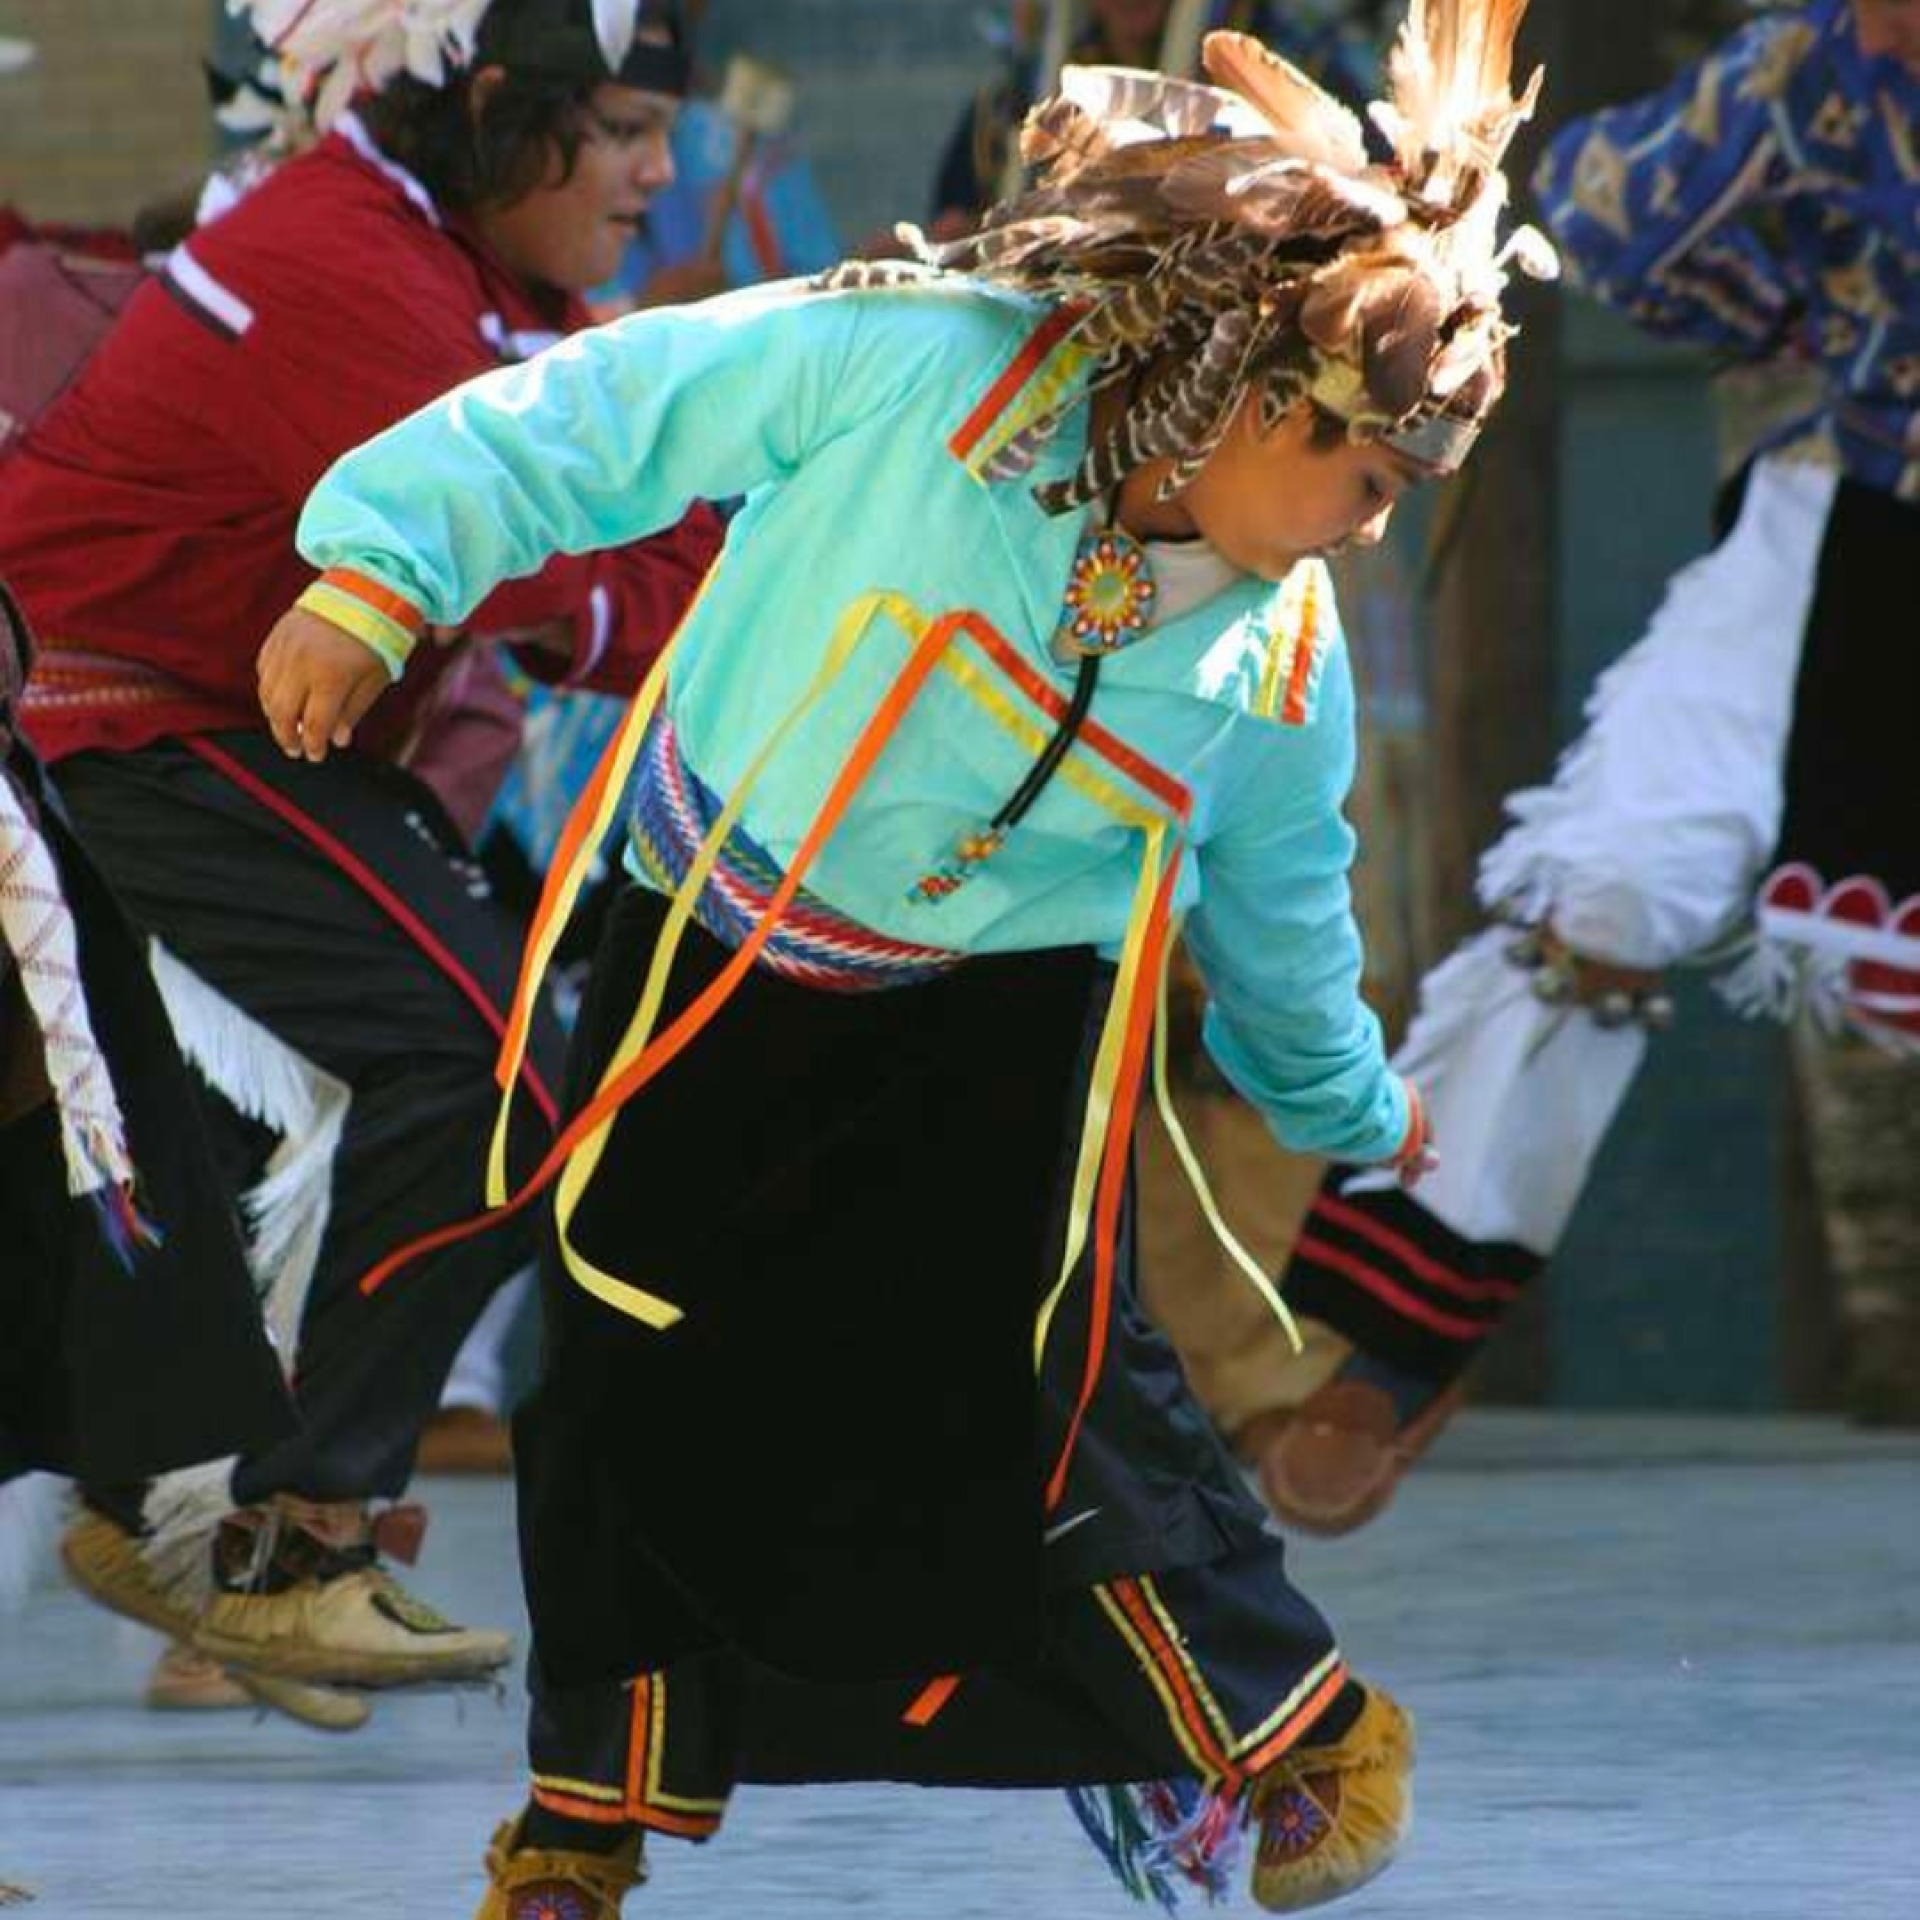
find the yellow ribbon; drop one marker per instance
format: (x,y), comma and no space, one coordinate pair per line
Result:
(847,636)
(547,930)
(1136,972)
(1106,1073)
(1197,1179)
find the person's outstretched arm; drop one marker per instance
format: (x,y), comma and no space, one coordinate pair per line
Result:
(609,436)
(1652,202)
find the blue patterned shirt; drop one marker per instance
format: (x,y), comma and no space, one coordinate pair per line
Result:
(1767,202)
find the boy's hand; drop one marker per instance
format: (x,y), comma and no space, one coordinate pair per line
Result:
(316,683)
(1416,1158)
(1411,1170)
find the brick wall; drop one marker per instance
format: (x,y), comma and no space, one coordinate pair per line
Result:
(113,113)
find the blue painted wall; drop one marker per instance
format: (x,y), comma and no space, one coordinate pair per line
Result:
(880,84)
(1667,1291)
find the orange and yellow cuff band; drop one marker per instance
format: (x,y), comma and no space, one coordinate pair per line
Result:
(376,616)
(1416,1138)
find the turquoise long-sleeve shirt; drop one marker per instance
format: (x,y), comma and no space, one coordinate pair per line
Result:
(857,426)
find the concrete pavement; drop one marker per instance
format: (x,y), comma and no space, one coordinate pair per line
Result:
(1663,1670)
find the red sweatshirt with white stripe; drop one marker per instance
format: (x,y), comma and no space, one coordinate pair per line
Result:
(147,522)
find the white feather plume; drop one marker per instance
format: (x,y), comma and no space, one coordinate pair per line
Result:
(332,49)
(1453,113)
(1133,104)
(615,23)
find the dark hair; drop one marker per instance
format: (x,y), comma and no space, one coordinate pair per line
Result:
(160,224)
(465,160)
(1326,430)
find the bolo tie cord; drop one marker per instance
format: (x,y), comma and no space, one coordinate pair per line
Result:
(1020,802)
(1086,679)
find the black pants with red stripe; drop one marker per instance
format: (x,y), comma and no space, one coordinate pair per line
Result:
(337,907)
(1382,1268)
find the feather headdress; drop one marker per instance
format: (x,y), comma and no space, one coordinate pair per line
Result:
(1241,237)
(329,50)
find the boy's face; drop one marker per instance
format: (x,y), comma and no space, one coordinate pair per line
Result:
(1265,502)
(574,228)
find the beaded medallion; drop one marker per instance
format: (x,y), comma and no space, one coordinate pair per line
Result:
(1293,1822)
(1109,600)
(957,869)
(552,1900)
(1110,596)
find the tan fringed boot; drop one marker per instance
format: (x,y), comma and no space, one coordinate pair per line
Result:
(304,1596)
(537,1884)
(104,1561)
(1328,1818)
(185,1681)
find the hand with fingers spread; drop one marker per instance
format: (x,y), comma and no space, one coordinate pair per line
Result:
(316,683)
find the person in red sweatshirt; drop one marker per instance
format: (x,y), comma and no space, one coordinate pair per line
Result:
(331,957)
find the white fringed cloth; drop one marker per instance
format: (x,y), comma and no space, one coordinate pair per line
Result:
(1644,851)
(38,943)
